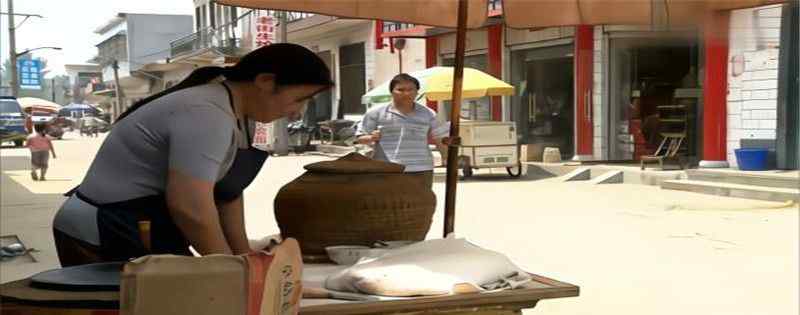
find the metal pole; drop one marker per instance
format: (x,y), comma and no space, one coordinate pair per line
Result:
(116,110)
(455,110)
(12,47)
(400,59)
(53,88)
(280,125)
(2,91)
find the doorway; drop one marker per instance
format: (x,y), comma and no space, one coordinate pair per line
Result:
(543,106)
(352,79)
(654,91)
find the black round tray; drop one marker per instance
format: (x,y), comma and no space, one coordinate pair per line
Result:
(92,277)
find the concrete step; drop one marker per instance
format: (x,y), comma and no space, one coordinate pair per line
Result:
(733,190)
(610,177)
(580,174)
(764,179)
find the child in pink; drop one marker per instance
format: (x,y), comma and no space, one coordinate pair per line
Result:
(39,145)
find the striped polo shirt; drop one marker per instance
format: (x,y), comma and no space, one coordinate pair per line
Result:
(404,137)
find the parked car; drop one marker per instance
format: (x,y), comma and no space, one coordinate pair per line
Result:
(12,121)
(42,117)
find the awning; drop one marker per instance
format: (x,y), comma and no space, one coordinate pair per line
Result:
(516,13)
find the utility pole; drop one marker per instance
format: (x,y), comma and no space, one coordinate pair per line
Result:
(2,91)
(280,125)
(116,110)
(53,88)
(12,47)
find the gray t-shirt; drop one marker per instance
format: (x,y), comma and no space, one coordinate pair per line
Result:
(192,131)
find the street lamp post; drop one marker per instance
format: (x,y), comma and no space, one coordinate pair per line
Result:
(12,42)
(14,75)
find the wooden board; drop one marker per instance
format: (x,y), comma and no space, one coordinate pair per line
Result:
(20,299)
(504,301)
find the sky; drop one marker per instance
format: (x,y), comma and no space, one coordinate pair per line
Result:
(70,24)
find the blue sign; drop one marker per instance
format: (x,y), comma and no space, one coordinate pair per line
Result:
(30,74)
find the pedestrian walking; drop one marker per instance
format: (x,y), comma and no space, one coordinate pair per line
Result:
(41,147)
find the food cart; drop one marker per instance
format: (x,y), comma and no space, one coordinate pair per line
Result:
(489,144)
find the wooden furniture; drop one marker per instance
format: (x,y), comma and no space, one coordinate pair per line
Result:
(20,299)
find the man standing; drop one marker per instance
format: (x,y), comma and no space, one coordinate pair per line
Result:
(399,131)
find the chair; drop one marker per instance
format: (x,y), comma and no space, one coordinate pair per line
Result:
(668,150)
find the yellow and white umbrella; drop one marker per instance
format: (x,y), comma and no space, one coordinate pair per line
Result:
(436,84)
(476,84)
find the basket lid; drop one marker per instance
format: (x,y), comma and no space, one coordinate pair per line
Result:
(354,163)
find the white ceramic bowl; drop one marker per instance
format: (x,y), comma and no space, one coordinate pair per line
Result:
(351,254)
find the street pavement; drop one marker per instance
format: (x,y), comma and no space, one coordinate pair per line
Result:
(632,249)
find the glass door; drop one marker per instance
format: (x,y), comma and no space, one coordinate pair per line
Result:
(543,106)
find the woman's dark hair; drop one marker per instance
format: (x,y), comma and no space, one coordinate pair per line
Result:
(290,63)
(40,128)
(403,77)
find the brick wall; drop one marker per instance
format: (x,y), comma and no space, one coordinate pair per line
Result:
(753,89)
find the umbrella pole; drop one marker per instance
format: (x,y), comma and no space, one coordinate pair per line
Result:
(455,110)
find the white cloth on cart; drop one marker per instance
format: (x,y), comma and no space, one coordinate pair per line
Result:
(432,267)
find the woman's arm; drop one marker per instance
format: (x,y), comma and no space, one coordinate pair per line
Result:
(191,205)
(231,215)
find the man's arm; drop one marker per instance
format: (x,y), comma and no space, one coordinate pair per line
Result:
(367,133)
(231,215)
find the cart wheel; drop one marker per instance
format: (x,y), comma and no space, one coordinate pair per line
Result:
(511,172)
(467,171)
(466,166)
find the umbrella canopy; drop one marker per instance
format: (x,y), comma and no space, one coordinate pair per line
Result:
(516,13)
(80,108)
(27,102)
(436,84)
(381,94)
(476,84)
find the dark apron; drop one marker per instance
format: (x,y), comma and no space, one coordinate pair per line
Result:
(118,222)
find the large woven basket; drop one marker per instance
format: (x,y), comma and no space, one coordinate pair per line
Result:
(353,201)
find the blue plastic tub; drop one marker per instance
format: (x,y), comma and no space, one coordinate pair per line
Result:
(752,159)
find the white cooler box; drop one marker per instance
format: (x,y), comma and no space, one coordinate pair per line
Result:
(489,143)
